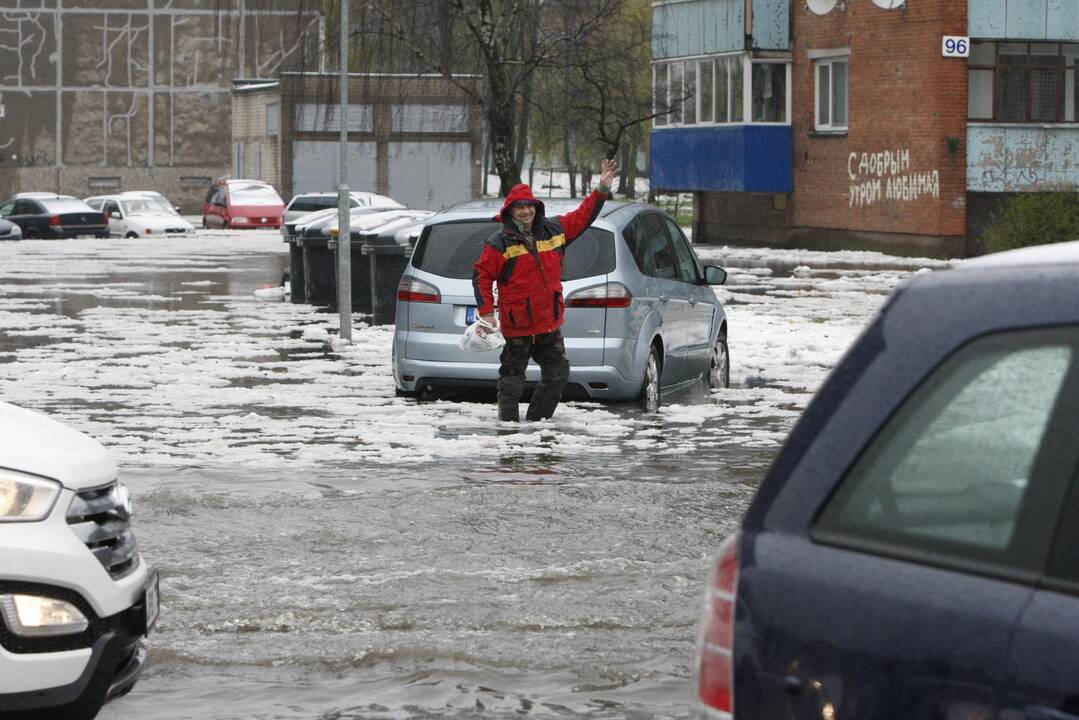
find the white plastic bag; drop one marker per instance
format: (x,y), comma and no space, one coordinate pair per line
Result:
(481,336)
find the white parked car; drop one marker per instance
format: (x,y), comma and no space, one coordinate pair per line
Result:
(313,202)
(136,214)
(76,598)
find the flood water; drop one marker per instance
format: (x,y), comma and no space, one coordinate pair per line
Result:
(328,550)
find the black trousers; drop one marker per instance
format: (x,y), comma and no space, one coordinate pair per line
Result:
(549,352)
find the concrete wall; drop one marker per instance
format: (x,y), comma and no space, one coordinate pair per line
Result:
(249,127)
(94,90)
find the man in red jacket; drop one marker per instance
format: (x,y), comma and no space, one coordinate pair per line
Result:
(525,259)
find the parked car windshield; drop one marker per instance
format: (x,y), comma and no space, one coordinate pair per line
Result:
(451,249)
(148,206)
(254,195)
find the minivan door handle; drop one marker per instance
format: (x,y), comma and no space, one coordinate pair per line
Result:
(1040,712)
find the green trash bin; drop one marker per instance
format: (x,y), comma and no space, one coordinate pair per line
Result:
(389,249)
(358,264)
(319,270)
(295,269)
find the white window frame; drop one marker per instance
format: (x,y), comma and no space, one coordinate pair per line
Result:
(820,63)
(731,63)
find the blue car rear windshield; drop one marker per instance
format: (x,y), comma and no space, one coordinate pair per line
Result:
(450,250)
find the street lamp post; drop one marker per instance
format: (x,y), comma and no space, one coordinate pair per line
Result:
(344,231)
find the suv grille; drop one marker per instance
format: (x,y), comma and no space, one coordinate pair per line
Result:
(100,518)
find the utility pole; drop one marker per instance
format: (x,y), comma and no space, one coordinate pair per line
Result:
(344,231)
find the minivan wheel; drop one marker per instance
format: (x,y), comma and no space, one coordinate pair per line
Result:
(650,396)
(719,372)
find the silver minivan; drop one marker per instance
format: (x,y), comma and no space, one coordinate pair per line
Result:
(641,316)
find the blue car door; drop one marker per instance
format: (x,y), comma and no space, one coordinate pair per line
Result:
(1042,682)
(902,599)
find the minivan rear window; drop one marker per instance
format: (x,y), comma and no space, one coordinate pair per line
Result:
(450,250)
(312,204)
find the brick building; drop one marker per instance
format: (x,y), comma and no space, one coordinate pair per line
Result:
(106,95)
(886,140)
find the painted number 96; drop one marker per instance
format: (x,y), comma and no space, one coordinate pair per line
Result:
(956,46)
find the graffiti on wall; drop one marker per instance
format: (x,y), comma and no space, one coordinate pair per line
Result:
(886,176)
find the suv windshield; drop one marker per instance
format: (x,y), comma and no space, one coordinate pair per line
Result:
(450,249)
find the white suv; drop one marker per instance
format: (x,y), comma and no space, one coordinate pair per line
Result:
(76,598)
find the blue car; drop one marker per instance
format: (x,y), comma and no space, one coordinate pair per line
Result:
(913,552)
(641,316)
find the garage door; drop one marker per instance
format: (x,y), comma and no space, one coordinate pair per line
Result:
(316,166)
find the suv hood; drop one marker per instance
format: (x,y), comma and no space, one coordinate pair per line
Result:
(36,444)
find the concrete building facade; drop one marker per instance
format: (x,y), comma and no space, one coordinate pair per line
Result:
(415,138)
(908,121)
(106,95)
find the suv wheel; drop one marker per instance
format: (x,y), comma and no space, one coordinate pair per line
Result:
(719,372)
(650,396)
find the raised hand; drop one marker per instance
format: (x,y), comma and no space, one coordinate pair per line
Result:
(607,173)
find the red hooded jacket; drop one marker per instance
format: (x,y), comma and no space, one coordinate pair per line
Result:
(529,272)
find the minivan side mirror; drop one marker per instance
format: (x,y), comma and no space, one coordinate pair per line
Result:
(714,275)
(115,214)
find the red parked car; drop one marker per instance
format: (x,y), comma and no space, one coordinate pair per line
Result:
(242,204)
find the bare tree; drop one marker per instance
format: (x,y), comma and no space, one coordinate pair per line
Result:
(504,41)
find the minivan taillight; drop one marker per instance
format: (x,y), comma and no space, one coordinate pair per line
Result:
(414,290)
(715,667)
(607,295)
(54,221)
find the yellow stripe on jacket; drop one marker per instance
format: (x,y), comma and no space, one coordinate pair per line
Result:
(519,249)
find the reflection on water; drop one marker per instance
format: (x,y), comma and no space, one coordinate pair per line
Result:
(328,550)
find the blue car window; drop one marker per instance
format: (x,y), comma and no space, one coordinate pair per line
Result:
(658,244)
(634,235)
(953,473)
(688,270)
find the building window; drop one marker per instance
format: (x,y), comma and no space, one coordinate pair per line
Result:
(238,159)
(769,92)
(1023,82)
(273,119)
(711,90)
(831,106)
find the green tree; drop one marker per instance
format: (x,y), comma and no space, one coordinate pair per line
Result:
(1035,218)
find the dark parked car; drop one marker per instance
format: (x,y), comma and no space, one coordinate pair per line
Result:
(9,230)
(54,216)
(913,551)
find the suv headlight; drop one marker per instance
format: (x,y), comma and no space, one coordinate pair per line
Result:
(26,498)
(37,616)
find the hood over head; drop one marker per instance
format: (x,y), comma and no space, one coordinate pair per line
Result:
(520,193)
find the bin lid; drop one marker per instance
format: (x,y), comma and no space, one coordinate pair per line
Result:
(385,233)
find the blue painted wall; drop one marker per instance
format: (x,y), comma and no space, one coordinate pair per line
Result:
(1024,19)
(735,158)
(1009,158)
